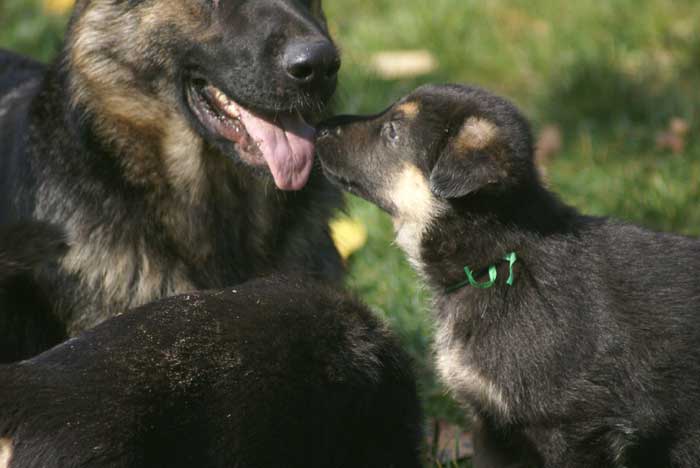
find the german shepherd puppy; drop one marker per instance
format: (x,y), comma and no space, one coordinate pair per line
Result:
(574,338)
(24,249)
(279,372)
(170,141)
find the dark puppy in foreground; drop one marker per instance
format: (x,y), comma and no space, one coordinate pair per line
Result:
(171,140)
(575,339)
(26,248)
(274,373)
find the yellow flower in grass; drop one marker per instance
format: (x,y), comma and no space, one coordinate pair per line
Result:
(348,235)
(58,7)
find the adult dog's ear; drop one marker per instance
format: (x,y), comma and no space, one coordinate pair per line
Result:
(469,161)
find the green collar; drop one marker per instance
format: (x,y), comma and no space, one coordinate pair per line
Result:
(511,258)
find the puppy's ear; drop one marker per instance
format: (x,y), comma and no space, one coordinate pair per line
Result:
(469,160)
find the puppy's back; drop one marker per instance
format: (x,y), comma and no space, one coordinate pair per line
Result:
(275,372)
(26,246)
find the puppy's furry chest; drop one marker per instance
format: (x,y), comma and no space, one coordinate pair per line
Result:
(460,369)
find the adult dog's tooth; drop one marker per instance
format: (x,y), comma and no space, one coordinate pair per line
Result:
(226,104)
(220,96)
(232,109)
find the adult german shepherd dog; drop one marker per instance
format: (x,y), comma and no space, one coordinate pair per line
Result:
(170,141)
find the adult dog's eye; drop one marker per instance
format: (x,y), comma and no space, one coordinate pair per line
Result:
(390,131)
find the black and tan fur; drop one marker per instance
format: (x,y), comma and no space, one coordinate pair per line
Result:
(591,357)
(102,143)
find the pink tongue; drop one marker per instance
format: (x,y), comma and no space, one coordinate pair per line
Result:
(288,148)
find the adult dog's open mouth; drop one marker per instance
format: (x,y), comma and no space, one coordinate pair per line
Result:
(283,142)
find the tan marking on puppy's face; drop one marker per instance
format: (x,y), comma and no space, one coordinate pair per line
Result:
(410,194)
(5,453)
(476,134)
(415,207)
(409,109)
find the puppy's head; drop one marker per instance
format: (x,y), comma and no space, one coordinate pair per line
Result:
(430,151)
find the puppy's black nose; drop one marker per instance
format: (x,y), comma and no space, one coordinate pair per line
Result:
(311,61)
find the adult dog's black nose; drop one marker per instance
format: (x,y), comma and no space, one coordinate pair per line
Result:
(311,62)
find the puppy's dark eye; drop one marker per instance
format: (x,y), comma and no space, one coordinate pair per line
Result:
(391,132)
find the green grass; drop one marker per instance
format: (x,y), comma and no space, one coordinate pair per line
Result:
(610,74)
(24,28)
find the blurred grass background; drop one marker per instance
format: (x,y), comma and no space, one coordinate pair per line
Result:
(616,82)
